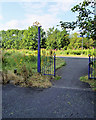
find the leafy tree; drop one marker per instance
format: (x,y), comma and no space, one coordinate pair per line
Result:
(76,42)
(86,20)
(10,39)
(43,38)
(57,39)
(27,39)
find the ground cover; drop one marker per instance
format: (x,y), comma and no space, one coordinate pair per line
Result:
(92,82)
(62,52)
(20,68)
(78,52)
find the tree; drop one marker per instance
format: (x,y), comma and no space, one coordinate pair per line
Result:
(10,38)
(86,20)
(43,38)
(57,39)
(19,39)
(76,42)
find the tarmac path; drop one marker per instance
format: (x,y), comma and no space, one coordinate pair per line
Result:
(67,98)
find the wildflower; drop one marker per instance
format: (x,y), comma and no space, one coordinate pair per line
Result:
(35,52)
(21,60)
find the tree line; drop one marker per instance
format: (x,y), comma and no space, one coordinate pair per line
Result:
(54,38)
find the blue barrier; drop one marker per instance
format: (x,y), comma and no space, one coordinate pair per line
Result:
(92,67)
(48,64)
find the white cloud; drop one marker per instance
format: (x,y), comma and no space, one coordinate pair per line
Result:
(35,12)
(63,6)
(46,21)
(33,7)
(56,7)
(13,24)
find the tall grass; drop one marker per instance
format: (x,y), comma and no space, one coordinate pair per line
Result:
(20,68)
(15,60)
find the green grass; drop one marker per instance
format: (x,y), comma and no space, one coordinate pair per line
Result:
(77,53)
(57,77)
(26,66)
(62,52)
(60,62)
(91,82)
(17,60)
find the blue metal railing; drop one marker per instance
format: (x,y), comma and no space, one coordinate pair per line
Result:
(48,65)
(92,67)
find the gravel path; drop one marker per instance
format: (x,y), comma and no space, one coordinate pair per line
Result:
(68,98)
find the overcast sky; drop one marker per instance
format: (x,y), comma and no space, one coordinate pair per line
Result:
(20,14)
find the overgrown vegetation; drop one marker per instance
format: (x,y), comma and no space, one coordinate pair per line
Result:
(92,82)
(21,69)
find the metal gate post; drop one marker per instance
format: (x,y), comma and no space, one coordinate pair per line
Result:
(54,65)
(39,59)
(89,67)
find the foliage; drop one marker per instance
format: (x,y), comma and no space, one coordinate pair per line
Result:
(53,39)
(22,39)
(86,20)
(15,60)
(26,67)
(76,42)
(57,39)
(76,52)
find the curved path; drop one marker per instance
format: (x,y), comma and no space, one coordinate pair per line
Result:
(68,98)
(75,68)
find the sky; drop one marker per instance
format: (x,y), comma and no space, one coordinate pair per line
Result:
(20,14)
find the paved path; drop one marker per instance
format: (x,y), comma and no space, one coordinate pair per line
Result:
(71,73)
(68,98)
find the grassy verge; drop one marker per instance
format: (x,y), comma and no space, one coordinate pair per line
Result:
(77,53)
(69,52)
(25,67)
(60,62)
(91,82)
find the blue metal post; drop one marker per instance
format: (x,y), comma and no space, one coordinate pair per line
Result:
(89,67)
(82,44)
(54,64)
(39,59)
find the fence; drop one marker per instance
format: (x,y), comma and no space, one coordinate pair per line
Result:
(92,67)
